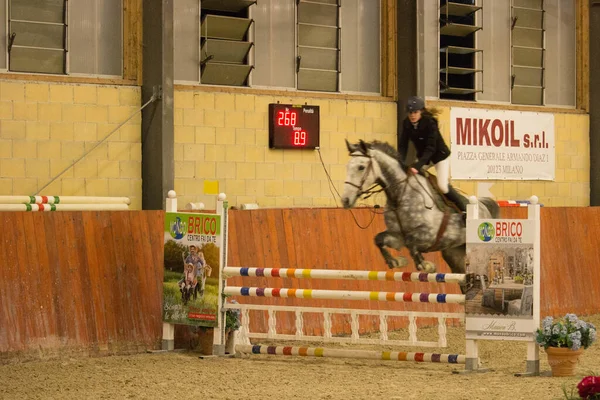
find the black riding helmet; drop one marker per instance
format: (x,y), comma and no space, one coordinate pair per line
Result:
(414,104)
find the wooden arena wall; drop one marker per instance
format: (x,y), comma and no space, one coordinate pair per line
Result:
(81,282)
(331,239)
(91,282)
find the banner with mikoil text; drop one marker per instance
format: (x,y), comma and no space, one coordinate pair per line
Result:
(501,145)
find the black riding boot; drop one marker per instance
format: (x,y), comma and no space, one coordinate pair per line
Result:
(455,197)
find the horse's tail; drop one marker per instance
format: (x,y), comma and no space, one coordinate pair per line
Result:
(491,205)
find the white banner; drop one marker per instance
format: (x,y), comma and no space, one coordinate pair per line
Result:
(501,145)
(500,231)
(503,263)
(500,328)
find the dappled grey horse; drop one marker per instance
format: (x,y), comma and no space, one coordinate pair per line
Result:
(415,215)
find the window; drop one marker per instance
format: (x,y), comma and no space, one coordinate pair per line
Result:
(521,51)
(224,42)
(560,69)
(288,44)
(318,45)
(61,37)
(96,37)
(458,53)
(37,36)
(212,41)
(527,77)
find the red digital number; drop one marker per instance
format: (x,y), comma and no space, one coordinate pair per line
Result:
(299,138)
(286,118)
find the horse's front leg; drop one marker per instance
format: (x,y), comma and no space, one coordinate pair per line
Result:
(420,262)
(392,240)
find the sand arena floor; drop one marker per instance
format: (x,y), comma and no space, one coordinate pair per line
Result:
(183,375)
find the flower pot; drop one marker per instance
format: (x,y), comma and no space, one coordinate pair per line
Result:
(563,360)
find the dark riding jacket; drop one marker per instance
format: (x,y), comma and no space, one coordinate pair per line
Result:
(426,138)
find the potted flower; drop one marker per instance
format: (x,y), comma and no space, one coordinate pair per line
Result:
(564,340)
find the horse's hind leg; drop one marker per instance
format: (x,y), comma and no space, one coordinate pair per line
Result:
(386,239)
(455,258)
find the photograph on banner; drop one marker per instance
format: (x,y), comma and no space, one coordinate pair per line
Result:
(501,145)
(501,271)
(192,256)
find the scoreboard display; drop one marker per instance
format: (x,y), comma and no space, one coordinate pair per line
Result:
(293,126)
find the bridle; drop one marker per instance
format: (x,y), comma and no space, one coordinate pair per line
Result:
(370,191)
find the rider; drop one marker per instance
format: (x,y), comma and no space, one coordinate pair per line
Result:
(421,128)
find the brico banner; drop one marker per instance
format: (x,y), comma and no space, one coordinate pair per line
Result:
(501,145)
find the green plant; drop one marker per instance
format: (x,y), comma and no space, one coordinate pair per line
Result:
(233,317)
(232,320)
(568,331)
(518,279)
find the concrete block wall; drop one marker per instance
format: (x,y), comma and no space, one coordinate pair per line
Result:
(224,137)
(45,127)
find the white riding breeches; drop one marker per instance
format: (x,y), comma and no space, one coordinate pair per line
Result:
(442,172)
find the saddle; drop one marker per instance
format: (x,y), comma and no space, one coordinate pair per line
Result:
(445,201)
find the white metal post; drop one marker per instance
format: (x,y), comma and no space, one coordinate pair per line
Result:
(168,340)
(219,339)
(533,350)
(472,350)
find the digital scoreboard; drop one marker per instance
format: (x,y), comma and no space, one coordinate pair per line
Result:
(293,126)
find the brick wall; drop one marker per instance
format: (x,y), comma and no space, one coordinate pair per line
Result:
(224,137)
(45,127)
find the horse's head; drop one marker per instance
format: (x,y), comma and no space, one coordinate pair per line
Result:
(361,173)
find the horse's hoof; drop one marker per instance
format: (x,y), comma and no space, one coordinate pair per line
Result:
(402,261)
(428,267)
(397,262)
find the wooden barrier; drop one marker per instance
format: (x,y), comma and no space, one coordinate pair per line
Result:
(80,283)
(330,239)
(91,281)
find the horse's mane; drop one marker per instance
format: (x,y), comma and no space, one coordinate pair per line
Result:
(387,149)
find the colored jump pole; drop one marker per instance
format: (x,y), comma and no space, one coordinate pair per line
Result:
(63,200)
(356,354)
(345,295)
(339,274)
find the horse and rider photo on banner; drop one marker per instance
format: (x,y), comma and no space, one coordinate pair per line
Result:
(191,268)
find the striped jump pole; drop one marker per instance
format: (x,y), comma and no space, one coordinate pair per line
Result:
(340,274)
(356,354)
(514,203)
(63,207)
(63,200)
(345,295)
